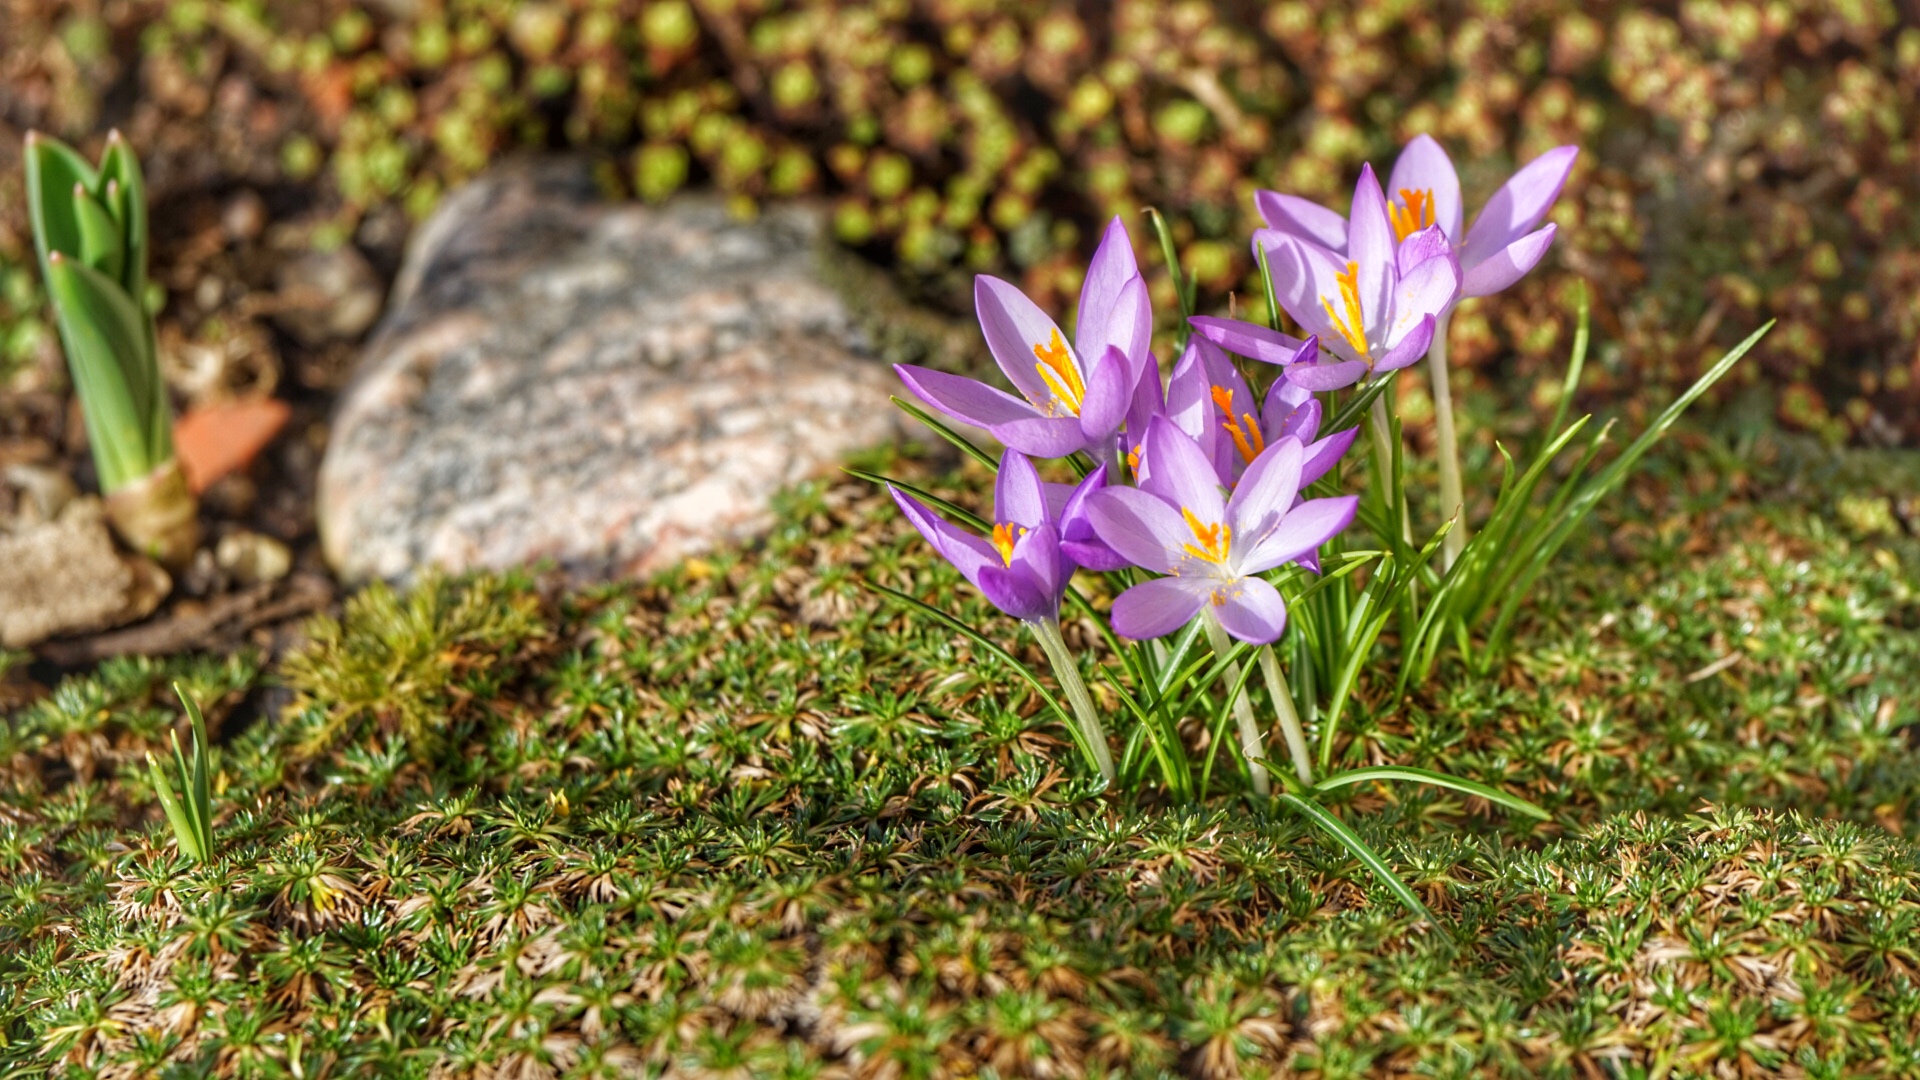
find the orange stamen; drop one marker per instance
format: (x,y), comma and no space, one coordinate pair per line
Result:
(1058,371)
(1003,540)
(1214,539)
(1247,439)
(1417,214)
(1353,327)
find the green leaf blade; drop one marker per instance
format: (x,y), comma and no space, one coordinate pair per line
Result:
(1350,840)
(1436,779)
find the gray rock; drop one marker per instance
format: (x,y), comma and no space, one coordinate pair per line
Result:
(609,386)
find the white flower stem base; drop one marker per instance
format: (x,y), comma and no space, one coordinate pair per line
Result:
(1452,494)
(1067,673)
(1289,718)
(1250,743)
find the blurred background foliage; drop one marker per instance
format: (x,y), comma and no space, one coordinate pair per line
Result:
(1743,160)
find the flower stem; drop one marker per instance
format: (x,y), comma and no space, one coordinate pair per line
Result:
(1394,500)
(1289,719)
(1452,496)
(1068,673)
(1250,744)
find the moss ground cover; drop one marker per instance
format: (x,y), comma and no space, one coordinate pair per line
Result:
(748,819)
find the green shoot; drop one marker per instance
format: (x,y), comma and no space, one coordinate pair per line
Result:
(90,233)
(190,811)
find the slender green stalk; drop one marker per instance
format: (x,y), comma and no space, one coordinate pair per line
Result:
(1380,429)
(1289,719)
(1251,746)
(1067,672)
(1452,494)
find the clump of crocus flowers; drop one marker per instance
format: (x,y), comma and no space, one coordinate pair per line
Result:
(1214,498)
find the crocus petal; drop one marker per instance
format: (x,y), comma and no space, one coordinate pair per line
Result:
(1059,497)
(1036,553)
(1181,473)
(1323,455)
(1425,166)
(1094,555)
(1301,422)
(1251,610)
(1141,528)
(1281,414)
(1371,247)
(1068,502)
(1251,340)
(1078,539)
(1327,375)
(1427,290)
(1302,274)
(1302,217)
(1508,265)
(1112,267)
(1109,391)
(1125,322)
(1149,399)
(1428,243)
(966,400)
(1042,436)
(1190,407)
(1013,325)
(1409,351)
(1265,492)
(1158,607)
(1519,205)
(1017,593)
(1018,497)
(1303,528)
(968,553)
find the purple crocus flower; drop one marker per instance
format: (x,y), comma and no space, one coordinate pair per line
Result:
(1020,568)
(1424,190)
(1071,398)
(1209,400)
(1378,303)
(1211,547)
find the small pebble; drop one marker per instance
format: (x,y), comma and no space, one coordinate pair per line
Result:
(252,559)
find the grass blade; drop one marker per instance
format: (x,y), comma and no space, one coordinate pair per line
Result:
(966,445)
(1350,840)
(992,648)
(953,510)
(1437,779)
(1612,476)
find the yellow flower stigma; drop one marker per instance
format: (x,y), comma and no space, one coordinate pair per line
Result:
(1004,536)
(1415,213)
(1247,439)
(1353,327)
(1058,371)
(1214,539)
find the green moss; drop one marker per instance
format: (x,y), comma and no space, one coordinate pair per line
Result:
(423,667)
(745,817)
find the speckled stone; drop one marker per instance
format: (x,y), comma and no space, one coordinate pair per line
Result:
(606,385)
